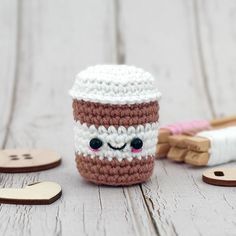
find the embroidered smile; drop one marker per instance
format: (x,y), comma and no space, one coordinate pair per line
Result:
(117,148)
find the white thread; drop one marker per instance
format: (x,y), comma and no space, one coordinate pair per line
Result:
(117,137)
(115,84)
(223,145)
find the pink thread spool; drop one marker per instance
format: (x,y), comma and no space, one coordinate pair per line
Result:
(188,127)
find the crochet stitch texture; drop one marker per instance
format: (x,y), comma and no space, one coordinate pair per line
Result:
(116,116)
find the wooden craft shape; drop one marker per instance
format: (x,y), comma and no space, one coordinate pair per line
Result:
(220,176)
(27,160)
(41,193)
(162,149)
(198,151)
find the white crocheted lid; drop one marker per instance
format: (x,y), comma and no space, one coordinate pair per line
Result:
(115,84)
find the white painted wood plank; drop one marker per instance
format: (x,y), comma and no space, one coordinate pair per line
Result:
(217,20)
(8,34)
(182,204)
(160,36)
(59,38)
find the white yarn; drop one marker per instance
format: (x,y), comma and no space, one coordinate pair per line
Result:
(115,84)
(117,137)
(223,145)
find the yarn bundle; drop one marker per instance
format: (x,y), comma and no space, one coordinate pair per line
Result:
(180,128)
(200,143)
(222,145)
(187,127)
(116,124)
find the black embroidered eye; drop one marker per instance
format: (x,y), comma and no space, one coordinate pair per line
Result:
(95,143)
(136,143)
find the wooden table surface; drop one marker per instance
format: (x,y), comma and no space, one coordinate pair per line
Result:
(188,45)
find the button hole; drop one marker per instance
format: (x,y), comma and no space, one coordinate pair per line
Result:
(26,155)
(219,173)
(12,155)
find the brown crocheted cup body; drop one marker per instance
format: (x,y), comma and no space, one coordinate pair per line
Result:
(116,117)
(114,172)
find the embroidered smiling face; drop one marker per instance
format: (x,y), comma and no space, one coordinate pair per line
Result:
(136,145)
(121,143)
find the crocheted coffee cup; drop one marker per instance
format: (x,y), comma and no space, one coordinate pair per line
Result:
(116,113)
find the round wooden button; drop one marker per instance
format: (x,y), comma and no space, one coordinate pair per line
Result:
(33,194)
(27,160)
(220,176)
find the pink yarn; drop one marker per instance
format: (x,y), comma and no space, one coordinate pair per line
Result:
(185,127)
(136,150)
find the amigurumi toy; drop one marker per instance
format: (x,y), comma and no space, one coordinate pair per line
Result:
(116,129)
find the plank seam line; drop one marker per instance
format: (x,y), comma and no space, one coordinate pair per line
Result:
(119,39)
(149,211)
(16,72)
(121,59)
(201,58)
(128,204)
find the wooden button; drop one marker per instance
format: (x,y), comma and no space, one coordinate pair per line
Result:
(34,194)
(220,176)
(27,160)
